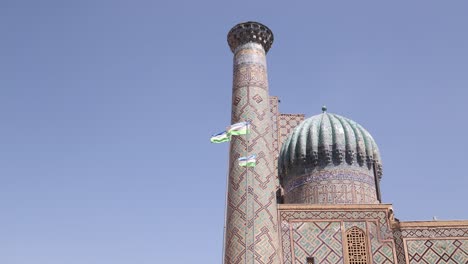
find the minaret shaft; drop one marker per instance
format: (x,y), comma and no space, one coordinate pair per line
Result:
(252,225)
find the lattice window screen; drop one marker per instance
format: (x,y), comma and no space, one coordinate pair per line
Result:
(357,246)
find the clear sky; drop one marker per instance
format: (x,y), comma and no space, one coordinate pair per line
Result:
(106,109)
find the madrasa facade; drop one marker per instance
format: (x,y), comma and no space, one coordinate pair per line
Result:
(313,196)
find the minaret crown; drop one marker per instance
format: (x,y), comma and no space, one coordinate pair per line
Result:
(246,32)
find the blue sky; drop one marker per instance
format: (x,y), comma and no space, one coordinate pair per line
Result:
(106,109)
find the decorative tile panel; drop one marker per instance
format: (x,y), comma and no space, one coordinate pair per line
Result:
(432,244)
(287,122)
(382,251)
(274,113)
(304,229)
(252,224)
(322,240)
(453,251)
(339,185)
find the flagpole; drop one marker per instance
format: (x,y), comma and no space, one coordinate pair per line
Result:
(225,208)
(247,189)
(247,119)
(253,201)
(243,162)
(247,154)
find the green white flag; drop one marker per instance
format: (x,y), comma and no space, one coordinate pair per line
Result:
(249,161)
(241,128)
(220,137)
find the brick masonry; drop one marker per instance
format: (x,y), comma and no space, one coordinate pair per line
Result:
(252,224)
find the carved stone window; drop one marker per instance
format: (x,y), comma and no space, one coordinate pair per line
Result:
(357,246)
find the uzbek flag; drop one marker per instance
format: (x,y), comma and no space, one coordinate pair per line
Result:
(220,137)
(241,128)
(249,161)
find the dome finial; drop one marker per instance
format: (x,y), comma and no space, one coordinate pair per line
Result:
(324,109)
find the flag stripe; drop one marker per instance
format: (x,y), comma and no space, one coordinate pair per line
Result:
(241,128)
(220,137)
(249,161)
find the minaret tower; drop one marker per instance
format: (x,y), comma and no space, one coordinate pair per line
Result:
(252,224)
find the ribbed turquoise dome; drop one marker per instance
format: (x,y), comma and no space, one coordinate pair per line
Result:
(329,148)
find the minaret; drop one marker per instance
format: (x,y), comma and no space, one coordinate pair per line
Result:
(252,222)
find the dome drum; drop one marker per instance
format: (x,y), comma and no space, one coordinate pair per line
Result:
(339,185)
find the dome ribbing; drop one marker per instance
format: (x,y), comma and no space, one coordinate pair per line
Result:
(334,149)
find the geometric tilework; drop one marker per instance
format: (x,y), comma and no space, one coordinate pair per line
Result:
(361,224)
(322,240)
(286,124)
(337,185)
(384,230)
(400,250)
(282,125)
(452,251)
(306,229)
(435,232)
(382,251)
(252,224)
(274,114)
(432,245)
